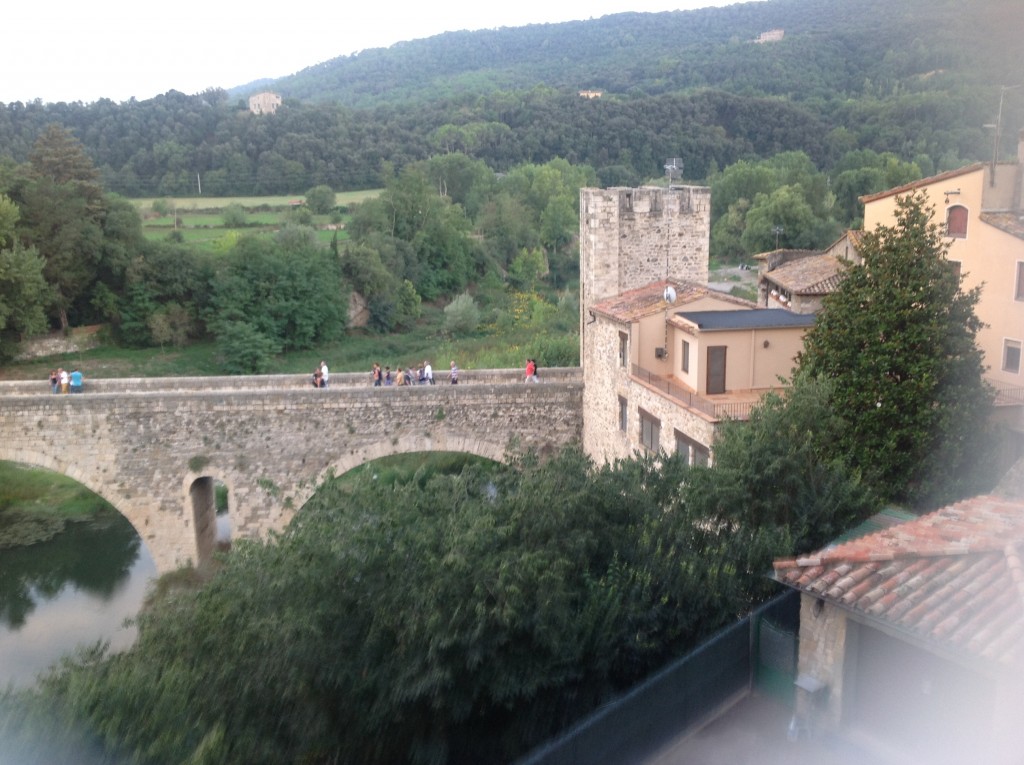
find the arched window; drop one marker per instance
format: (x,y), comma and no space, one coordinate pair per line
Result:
(956,221)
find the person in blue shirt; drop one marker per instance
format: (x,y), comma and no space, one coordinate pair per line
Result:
(76,381)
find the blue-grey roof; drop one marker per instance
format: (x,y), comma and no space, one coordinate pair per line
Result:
(758,318)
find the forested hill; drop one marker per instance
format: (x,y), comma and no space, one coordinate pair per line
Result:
(917,78)
(831,48)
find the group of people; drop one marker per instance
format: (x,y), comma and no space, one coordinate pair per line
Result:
(422,374)
(321,375)
(418,375)
(62,381)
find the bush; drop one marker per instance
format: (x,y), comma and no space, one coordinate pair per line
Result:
(244,349)
(234,216)
(320,200)
(461,316)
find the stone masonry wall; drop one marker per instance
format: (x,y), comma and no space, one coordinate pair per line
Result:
(607,380)
(823,640)
(144,451)
(630,238)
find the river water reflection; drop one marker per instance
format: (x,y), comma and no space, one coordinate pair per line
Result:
(75,589)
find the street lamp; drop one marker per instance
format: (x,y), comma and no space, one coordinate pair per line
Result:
(777,230)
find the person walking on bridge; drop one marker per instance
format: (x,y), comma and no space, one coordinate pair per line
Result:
(454,374)
(325,376)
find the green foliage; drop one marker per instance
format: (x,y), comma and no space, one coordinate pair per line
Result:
(784,470)
(244,349)
(897,340)
(751,199)
(287,291)
(450,618)
(462,315)
(234,216)
(526,270)
(23,297)
(320,200)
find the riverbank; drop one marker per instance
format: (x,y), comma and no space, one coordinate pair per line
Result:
(36,505)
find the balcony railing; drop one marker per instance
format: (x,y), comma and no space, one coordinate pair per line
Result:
(1006,394)
(720,410)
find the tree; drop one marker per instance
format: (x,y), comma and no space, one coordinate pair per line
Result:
(234,216)
(897,340)
(790,445)
(461,316)
(446,619)
(23,297)
(320,200)
(62,213)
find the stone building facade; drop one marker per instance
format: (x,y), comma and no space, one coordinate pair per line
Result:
(657,377)
(264,103)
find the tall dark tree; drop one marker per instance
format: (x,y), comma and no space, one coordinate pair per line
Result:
(897,340)
(62,216)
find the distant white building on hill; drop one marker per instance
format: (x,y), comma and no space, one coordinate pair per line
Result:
(264,103)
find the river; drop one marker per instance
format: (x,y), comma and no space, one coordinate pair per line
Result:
(75,589)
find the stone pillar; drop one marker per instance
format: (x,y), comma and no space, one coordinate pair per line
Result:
(204,517)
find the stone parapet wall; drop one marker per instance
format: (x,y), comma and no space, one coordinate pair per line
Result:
(143,452)
(278,382)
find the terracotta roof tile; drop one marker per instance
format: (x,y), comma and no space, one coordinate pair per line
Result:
(923,182)
(650,299)
(954,578)
(812,275)
(1011,223)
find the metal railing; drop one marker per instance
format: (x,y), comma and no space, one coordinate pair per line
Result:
(1006,393)
(721,410)
(686,694)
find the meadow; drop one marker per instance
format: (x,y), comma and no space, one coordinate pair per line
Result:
(207,222)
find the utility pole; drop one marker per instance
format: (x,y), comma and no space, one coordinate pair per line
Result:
(997,130)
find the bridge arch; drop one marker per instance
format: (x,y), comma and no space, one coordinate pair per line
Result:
(437,442)
(103,489)
(154,447)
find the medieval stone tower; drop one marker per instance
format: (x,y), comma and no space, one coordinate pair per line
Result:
(633,237)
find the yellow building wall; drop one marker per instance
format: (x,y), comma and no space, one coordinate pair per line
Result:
(988,257)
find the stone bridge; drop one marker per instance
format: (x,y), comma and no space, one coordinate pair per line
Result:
(155,448)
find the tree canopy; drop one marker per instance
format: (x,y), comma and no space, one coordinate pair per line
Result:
(457,618)
(897,342)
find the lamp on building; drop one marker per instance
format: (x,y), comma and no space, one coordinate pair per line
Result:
(950,193)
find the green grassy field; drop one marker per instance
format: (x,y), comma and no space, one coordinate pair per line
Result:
(186,204)
(200,220)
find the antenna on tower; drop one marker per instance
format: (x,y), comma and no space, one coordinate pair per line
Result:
(674,169)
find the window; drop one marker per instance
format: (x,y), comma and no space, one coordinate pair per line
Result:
(956,221)
(956,267)
(623,414)
(623,350)
(694,451)
(1011,356)
(650,431)
(1018,292)
(686,356)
